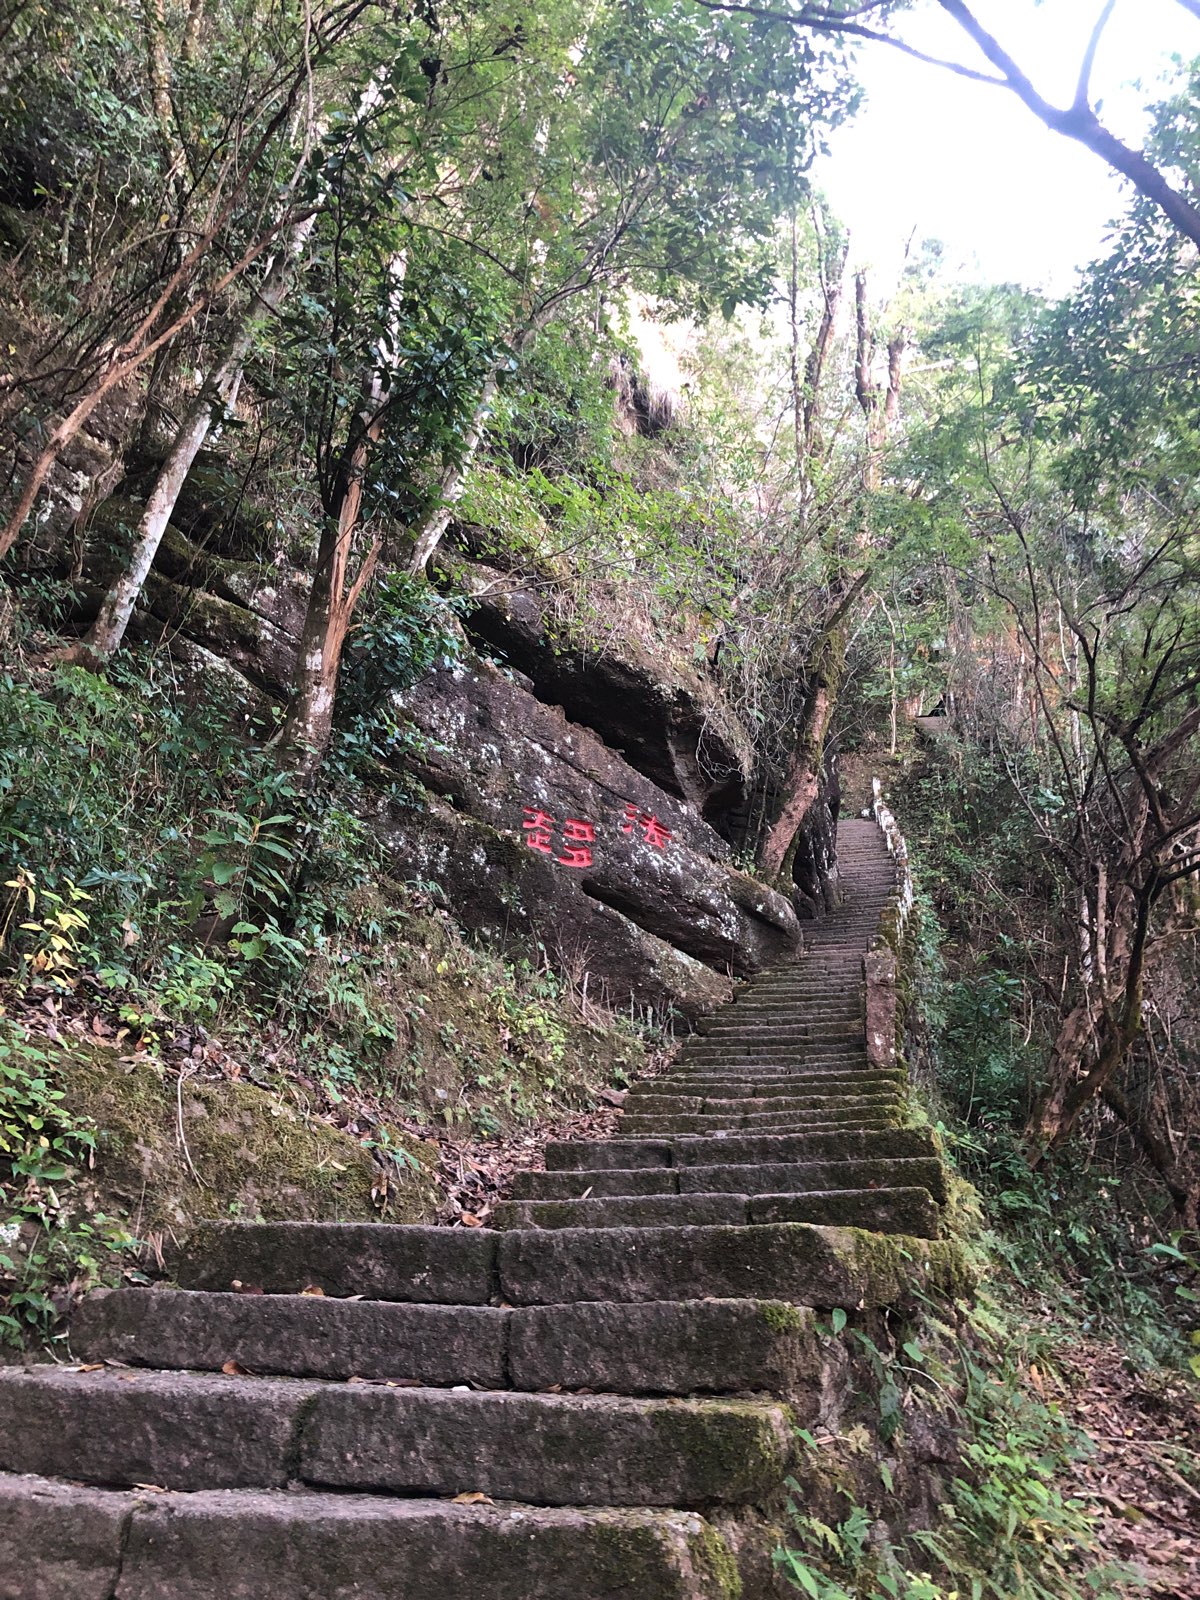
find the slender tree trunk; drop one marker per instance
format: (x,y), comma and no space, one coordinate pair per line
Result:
(802,774)
(433,530)
(308,726)
(210,406)
(1074,1085)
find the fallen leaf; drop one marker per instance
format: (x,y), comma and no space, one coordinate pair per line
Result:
(315,1290)
(91,1366)
(474,1499)
(234,1369)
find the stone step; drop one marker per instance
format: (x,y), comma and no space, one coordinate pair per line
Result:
(735,1149)
(748,1102)
(907,1211)
(784,1261)
(681,1347)
(71,1543)
(757,1033)
(809,1266)
(771,1122)
(194,1431)
(722,1086)
(779,1178)
(777,1056)
(835,1109)
(797,1011)
(797,1078)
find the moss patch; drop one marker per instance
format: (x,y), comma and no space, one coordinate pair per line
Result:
(244,1151)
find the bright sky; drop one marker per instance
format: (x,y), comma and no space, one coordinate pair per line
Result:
(968,164)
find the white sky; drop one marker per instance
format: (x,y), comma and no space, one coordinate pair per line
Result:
(968,164)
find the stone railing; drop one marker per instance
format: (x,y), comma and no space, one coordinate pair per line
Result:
(882,962)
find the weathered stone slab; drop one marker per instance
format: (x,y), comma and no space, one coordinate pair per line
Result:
(59,1543)
(382,1261)
(601,1450)
(621,1211)
(781,1178)
(178,1431)
(575,1185)
(572,1185)
(357,1547)
(697,1150)
(603,1154)
(909,1211)
(784,1261)
(679,1347)
(294,1335)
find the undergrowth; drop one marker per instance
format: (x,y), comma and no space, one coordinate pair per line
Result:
(1002,1529)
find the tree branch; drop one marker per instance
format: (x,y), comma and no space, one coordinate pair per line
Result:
(1083,88)
(1081,124)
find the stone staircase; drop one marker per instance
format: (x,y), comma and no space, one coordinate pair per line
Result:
(597,1399)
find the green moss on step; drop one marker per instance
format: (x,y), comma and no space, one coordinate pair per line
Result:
(716,1561)
(781,1317)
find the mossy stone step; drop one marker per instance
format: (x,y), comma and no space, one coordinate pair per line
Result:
(384,1261)
(781,1178)
(768,1122)
(743,1082)
(71,1543)
(908,1211)
(698,1151)
(809,1266)
(785,1261)
(676,1347)
(198,1431)
(746,1103)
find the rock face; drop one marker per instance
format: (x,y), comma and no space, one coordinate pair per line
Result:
(678,734)
(536,826)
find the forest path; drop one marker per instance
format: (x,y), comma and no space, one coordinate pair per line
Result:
(597,1399)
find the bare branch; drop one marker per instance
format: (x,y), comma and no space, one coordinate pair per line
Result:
(1083,88)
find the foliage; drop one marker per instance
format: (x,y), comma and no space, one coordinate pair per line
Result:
(1005,1530)
(46,1236)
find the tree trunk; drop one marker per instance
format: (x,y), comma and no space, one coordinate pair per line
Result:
(802,776)
(1075,1086)
(432,531)
(211,405)
(308,727)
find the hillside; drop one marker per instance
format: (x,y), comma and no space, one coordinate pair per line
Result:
(600,814)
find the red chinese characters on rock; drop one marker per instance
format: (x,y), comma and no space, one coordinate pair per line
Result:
(579,835)
(651,829)
(539,830)
(578,838)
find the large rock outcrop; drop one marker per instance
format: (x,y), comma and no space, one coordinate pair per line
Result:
(666,720)
(653,909)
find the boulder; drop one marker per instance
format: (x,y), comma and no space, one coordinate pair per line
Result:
(512,774)
(664,718)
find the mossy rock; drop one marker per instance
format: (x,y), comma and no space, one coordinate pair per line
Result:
(244,1151)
